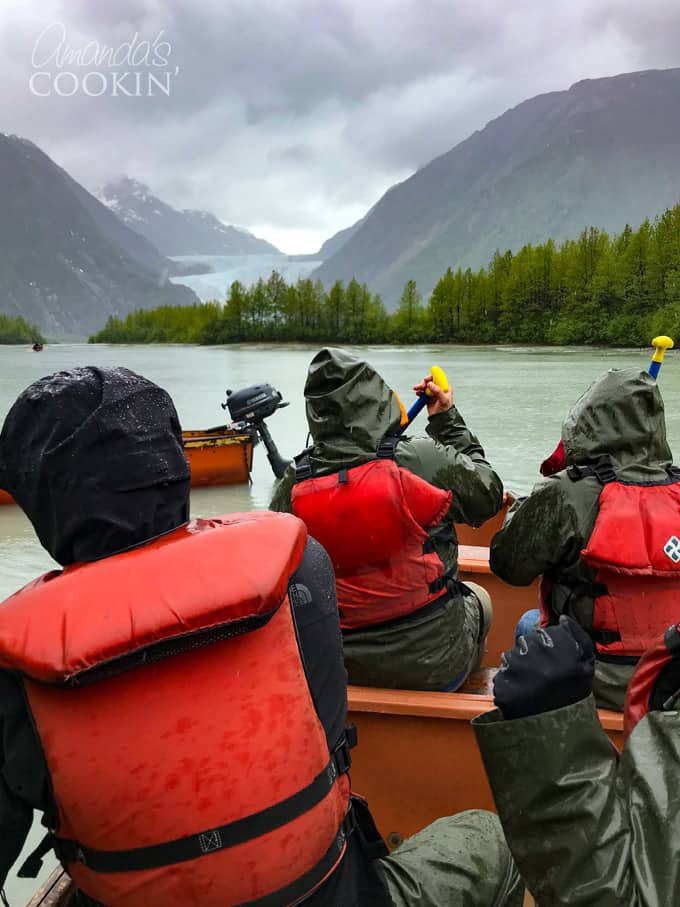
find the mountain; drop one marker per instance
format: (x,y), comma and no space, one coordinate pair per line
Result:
(174,232)
(331,245)
(602,153)
(67,262)
(338,240)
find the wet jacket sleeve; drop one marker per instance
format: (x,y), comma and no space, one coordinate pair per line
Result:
(17,752)
(280,501)
(452,458)
(539,534)
(555,780)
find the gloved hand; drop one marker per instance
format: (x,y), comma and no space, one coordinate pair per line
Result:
(548,669)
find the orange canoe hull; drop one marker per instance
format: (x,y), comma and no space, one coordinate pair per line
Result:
(417,758)
(218,457)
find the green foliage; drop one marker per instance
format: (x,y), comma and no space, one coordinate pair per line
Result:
(18,330)
(597,289)
(166,324)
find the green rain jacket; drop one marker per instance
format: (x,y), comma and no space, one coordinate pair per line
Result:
(587,828)
(349,410)
(620,416)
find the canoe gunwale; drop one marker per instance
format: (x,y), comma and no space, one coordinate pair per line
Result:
(452,706)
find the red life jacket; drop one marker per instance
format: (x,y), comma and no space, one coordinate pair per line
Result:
(373,521)
(635,548)
(186,759)
(655,680)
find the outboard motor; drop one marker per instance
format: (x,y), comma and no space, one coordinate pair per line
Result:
(251,406)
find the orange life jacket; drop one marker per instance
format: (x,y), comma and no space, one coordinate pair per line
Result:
(635,548)
(655,679)
(373,521)
(186,759)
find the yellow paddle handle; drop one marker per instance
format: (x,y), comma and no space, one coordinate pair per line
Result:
(661,344)
(440,379)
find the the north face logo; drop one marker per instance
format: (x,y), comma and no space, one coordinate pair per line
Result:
(210,840)
(672,549)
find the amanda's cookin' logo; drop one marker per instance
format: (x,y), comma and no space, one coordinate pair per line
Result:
(138,68)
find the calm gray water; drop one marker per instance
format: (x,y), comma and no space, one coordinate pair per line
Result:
(513,398)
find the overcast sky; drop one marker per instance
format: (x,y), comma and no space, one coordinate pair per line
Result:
(292,117)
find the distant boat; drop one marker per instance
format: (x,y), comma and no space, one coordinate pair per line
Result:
(217,456)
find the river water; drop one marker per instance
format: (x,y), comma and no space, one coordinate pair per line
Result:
(514,398)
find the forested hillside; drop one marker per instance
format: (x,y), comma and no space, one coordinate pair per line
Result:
(18,330)
(617,290)
(604,152)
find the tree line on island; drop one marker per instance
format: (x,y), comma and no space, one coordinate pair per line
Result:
(18,330)
(601,289)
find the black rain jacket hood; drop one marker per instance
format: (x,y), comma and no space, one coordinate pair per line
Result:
(94,457)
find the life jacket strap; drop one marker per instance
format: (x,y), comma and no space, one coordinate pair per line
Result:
(341,754)
(214,839)
(444,534)
(385,451)
(306,883)
(604,637)
(33,863)
(387,447)
(603,471)
(303,467)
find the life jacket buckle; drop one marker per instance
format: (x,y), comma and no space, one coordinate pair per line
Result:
(342,758)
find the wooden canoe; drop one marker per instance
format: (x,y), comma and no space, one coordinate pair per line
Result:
(217,456)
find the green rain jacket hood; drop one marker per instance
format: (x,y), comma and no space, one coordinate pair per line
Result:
(621,415)
(349,410)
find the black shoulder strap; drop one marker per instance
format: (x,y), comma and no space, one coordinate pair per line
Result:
(385,451)
(601,469)
(387,447)
(303,467)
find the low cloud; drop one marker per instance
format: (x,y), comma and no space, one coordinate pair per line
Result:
(293,118)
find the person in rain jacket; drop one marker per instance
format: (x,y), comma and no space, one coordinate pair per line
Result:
(618,427)
(587,826)
(94,457)
(436,636)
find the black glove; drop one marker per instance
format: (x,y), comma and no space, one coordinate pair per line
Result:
(547,670)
